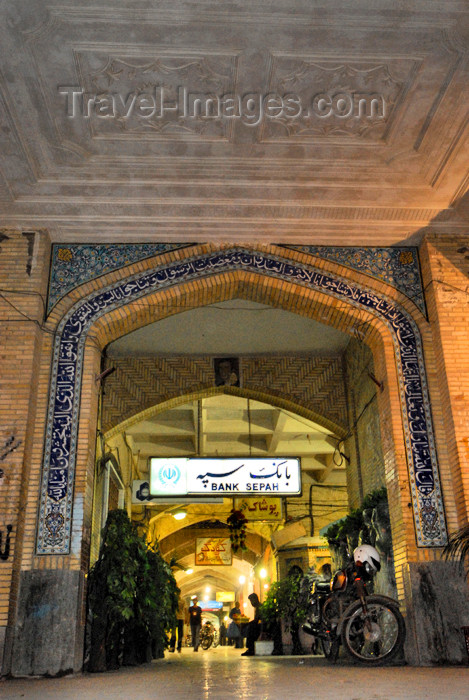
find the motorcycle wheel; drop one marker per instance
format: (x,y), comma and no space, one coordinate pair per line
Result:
(206,642)
(374,638)
(330,648)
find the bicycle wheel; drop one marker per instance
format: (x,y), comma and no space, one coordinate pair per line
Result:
(376,637)
(330,648)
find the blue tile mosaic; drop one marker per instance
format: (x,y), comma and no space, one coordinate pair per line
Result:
(398,266)
(62,424)
(76,263)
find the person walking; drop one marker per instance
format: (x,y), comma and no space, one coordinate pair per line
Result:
(195,620)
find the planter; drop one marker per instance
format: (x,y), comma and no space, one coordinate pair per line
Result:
(264,648)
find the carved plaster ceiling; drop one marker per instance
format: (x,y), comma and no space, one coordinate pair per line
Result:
(132,159)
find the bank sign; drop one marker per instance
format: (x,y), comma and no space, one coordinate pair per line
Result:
(249,476)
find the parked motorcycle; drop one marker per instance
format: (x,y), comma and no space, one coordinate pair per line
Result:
(208,637)
(207,634)
(370,627)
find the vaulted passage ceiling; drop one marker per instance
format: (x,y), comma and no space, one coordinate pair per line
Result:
(224,426)
(227,425)
(183,120)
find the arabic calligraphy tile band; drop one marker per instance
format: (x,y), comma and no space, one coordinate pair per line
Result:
(398,266)
(76,263)
(62,423)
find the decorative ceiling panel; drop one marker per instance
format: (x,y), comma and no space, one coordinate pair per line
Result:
(185,120)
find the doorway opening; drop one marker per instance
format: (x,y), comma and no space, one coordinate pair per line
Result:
(316,404)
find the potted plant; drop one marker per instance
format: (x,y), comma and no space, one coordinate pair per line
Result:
(271,620)
(131,598)
(112,584)
(287,602)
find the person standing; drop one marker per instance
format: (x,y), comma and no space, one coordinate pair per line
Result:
(195,620)
(222,634)
(179,627)
(235,615)
(254,627)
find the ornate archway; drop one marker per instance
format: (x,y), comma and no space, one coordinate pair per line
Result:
(64,399)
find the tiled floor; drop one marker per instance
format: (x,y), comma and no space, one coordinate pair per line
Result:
(222,674)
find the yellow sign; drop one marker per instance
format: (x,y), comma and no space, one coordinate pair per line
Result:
(225,597)
(260,508)
(213,551)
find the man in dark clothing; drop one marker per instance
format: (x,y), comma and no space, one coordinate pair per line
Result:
(254,627)
(195,620)
(222,634)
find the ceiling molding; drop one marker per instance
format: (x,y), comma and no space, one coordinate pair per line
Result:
(128,177)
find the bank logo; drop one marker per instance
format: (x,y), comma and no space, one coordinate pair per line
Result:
(169,475)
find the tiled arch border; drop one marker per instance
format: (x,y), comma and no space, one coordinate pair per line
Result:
(54,523)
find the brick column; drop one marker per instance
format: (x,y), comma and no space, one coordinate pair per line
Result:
(24,260)
(445,269)
(437,596)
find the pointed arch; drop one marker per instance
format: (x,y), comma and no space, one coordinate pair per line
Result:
(241,392)
(64,398)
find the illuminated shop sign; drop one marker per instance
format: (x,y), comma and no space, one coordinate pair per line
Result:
(213,551)
(249,476)
(262,508)
(225,596)
(210,605)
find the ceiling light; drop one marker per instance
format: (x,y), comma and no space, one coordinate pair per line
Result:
(242,579)
(180,515)
(262,573)
(207,590)
(189,571)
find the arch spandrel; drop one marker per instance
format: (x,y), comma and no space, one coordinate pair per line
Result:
(346,300)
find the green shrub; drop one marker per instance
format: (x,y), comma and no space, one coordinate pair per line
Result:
(349,528)
(132,597)
(287,601)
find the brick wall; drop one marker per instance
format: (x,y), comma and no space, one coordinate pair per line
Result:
(365,470)
(315,383)
(23,280)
